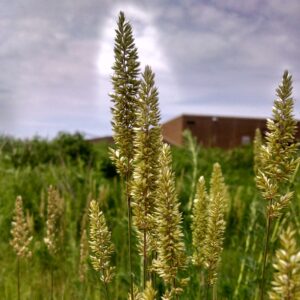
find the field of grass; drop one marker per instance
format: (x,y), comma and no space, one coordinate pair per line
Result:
(81,172)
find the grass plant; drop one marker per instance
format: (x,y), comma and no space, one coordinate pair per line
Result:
(101,246)
(147,142)
(125,85)
(21,238)
(278,161)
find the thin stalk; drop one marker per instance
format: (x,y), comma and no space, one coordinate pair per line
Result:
(242,269)
(266,249)
(153,274)
(52,282)
(174,287)
(18,271)
(106,291)
(207,289)
(214,289)
(129,232)
(145,259)
(200,280)
(241,275)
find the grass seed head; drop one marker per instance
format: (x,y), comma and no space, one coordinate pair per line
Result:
(171,249)
(21,236)
(215,224)
(147,144)
(55,210)
(124,97)
(100,244)
(278,160)
(199,222)
(286,279)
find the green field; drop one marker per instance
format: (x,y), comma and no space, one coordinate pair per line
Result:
(83,171)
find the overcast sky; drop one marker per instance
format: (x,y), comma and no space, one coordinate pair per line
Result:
(210,57)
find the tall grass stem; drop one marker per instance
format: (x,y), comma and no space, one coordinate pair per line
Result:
(129,233)
(19,290)
(266,249)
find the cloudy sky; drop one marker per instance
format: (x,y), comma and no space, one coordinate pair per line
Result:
(210,57)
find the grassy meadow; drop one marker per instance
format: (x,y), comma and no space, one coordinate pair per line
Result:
(82,171)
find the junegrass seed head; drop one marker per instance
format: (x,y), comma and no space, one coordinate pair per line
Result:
(215,224)
(278,160)
(149,293)
(147,142)
(286,278)
(170,246)
(84,254)
(199,222)
(21,236)
(257,143)
(125,85)
(55,210)
(100,244)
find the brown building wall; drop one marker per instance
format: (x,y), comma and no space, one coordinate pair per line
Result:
(172,131)
(224,132)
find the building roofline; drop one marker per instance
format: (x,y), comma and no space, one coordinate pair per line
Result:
(184,115)
(224,116)
(172,119)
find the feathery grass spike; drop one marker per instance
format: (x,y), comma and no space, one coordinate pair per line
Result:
(216,223)
(286,279)
(55,209)
(278,154)
(83,268)
(21,237)
(199,222)
(100,244)
(278,161)
(125,85)
(191,143)
(257,143)
(171,249)
(147,142)
(149,293)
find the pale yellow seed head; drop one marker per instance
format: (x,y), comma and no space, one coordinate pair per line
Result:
(100,244)
(55,209)
(21,236)
(286,278)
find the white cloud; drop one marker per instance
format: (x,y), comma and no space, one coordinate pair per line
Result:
(145,34)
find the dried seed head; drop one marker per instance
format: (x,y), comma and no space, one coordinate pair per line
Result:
(216,223)
(278,160)
(54,232)
(100,244)
(147,144)
(199,222)
(257,143)
(171,249)
(84,254)
(149,293)
(125,84)
(21,236)
(286,279)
